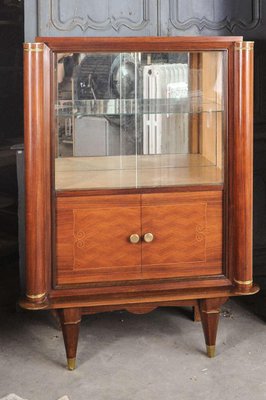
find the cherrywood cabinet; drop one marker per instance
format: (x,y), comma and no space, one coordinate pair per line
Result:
(138,176)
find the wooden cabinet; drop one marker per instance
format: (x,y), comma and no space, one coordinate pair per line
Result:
(138,176)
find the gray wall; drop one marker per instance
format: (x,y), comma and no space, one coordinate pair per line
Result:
(143,18)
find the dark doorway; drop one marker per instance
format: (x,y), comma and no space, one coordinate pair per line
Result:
(11,133)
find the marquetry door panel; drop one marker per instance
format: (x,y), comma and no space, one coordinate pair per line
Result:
(187,229)
(93,239)
(92,236)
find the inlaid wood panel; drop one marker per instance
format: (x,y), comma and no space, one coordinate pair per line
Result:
(179,233)
(187,229)
(93,238)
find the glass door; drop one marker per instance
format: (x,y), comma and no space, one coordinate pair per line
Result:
(184,119)
(98,125)
(132,120)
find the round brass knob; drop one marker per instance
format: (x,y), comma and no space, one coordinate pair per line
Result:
(134,238)
(148,237)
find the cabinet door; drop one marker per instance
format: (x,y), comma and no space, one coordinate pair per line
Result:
(187,234)
(92,239)
(139,119)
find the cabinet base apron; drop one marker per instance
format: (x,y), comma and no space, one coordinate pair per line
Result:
(206,306)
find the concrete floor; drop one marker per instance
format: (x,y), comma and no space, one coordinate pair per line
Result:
(157,356)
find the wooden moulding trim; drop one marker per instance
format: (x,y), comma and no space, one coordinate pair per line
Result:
(37,172)
(104,288)
(182,39)
(130,303)
(151,44)
(128,288)
(245,287)
(140,308)
(123,302)
(27,304)
(163,189)
(246,290)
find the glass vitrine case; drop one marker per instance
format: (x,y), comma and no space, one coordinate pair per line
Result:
(138,176)
(139,119)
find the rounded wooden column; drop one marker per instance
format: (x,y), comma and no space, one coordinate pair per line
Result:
(37,170)
(243,167)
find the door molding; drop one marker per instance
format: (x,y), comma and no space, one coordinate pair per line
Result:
(229,23)
(85,22)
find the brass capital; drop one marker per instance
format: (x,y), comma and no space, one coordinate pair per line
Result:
(72,323)
(248,46)
(33,47)
(244,282)
(211,311)
(35,296)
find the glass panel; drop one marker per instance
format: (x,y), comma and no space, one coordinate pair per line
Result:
(126,120)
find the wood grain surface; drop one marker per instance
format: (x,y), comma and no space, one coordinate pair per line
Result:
(93,236)
(78,173)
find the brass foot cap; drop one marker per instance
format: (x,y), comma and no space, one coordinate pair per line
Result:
(211,351)
(71,363)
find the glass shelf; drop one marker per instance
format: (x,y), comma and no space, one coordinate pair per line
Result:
(80,108)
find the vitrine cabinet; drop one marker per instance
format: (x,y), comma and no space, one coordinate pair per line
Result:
(138,176)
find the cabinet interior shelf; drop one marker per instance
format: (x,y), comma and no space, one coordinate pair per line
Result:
(133,172)
(80,108)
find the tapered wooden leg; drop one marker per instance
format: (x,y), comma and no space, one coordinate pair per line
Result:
(210,313)
(55,319)
(196,313)
(70,321)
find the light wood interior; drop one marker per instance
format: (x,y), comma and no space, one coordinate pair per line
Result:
(132,171)
(211,124)
(194,86)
